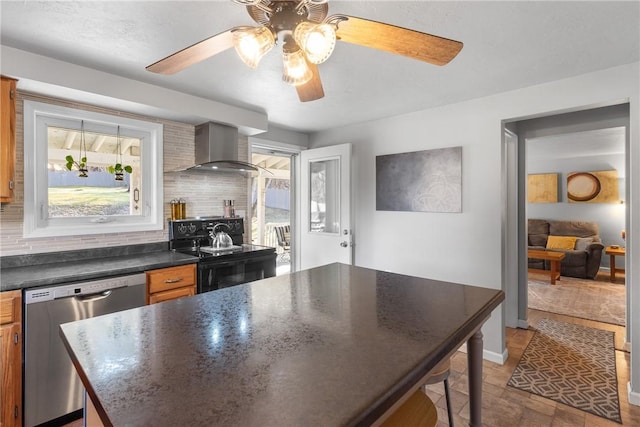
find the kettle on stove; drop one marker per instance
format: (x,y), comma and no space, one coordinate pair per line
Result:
(220,238)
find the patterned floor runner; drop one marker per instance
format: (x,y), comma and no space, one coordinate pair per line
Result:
(571,364)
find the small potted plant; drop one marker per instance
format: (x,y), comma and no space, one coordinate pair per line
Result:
(81,165)
(118,170)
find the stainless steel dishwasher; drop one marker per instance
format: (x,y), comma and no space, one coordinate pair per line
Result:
(52,388)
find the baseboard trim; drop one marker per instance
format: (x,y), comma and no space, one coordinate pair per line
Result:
(491,356)
(498,358)
(633,396)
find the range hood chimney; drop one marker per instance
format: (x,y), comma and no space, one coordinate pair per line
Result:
(217,149)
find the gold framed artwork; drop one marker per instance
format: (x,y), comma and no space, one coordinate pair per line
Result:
(542,188)
(593,187)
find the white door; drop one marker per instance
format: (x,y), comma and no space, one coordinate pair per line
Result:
(325,206)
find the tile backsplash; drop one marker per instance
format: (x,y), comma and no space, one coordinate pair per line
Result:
(204,192)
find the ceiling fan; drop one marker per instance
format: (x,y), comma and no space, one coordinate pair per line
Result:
(308,38)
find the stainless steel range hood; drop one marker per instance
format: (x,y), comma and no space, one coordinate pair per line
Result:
(217,149)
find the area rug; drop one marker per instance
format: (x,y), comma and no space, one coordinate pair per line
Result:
(571,364)
(586,299)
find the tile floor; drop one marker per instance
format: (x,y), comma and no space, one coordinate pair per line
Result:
(504,406)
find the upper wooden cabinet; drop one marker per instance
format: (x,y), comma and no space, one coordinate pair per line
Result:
(11,354)
(7,138)
(171,283)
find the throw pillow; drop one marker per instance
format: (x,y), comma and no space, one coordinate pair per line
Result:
(561,242)
(583,243)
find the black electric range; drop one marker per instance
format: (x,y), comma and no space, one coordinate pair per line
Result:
(241,263)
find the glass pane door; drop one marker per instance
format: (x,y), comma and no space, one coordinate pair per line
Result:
(324,190)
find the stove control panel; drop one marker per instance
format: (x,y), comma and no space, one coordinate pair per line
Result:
(200,227)
(233,225)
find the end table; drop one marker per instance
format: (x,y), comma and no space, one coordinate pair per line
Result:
(613,252)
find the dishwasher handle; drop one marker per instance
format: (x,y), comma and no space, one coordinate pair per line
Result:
(84,291)
(93,297)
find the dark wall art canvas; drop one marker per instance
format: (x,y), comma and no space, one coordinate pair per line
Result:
(420,181)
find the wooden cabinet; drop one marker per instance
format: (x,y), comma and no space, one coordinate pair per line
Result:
(7,138)
(171,283)
(11,353)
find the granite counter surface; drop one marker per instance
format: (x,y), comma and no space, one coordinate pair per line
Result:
(331,346)
(69,270)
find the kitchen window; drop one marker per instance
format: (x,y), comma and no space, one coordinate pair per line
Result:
(61,202)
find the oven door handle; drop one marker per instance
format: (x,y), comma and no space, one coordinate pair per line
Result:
(217,264)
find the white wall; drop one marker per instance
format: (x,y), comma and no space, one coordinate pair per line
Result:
(466,247)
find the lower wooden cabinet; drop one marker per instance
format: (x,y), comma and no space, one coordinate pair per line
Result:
(171,283)
(11,354)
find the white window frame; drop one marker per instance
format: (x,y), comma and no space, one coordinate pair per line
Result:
(37,117)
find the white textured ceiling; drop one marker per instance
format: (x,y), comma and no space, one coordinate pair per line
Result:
(507,45)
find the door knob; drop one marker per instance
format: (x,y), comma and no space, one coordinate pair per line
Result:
(344,244)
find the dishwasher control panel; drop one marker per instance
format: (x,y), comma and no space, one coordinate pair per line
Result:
(35,295)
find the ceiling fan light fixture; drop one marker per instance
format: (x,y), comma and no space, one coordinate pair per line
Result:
(316,40)
(252,43)
(296,70)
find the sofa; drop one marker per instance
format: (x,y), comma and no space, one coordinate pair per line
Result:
(582,260)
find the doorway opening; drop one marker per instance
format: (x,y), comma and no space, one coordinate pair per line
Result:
(591,142)
(568,164)
(271,206)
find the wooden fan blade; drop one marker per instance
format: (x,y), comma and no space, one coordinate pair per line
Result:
(193,54)
(311,90)
(401,41)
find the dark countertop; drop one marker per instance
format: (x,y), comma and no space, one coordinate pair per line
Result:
(331,346)
(41,270)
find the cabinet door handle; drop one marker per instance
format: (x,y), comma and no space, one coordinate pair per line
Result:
(12,94)
(11,185)
(176,280)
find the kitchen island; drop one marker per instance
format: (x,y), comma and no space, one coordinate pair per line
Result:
(334,345)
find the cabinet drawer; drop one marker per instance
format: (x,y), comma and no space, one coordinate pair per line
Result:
(186,291)
(165,279)
(10,307)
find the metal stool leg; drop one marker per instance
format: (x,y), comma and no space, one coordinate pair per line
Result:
(449,408)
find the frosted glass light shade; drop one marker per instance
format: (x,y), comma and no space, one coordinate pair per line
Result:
(296,69)
(316,40)
(252,44)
